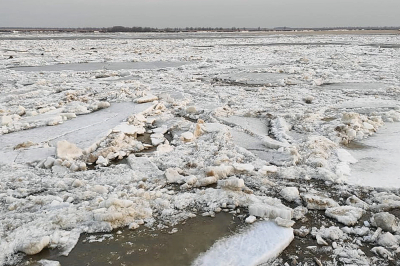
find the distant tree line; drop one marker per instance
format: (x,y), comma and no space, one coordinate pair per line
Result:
(133,29)
(186,29)
(234,29)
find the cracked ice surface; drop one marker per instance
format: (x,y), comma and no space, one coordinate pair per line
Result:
(83,131)
(205,122)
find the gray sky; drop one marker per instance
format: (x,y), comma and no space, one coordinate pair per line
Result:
(198,13)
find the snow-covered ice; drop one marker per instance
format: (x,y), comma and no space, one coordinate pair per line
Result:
(378,161)
(259,244)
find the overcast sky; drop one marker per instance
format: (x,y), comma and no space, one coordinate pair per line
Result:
(199,13)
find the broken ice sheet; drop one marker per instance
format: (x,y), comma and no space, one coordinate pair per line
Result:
(83,131)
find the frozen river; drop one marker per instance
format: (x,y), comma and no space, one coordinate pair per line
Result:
(296,133)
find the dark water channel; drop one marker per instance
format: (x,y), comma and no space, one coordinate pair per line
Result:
(145,246)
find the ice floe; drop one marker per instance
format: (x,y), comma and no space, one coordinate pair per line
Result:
(259,244)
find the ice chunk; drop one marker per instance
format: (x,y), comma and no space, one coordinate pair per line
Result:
(173,175)
(143,165)
(164,148)
(368,126)
(268,169)
(280,129)
(387,240)
(273,144)
(321,241)
(6,120)
(191,110)
(102,161)
(333,233)
(232,183)
(386,221)
(262,243)
(299,212)
(102,105)
(351,119)
(243,168)
(270,211)
(290,193)
(49,162)
(356,202)
(343,170)
(49,263)
(284,222)
(129,129)
(206,181)
(20,110)
(133,226)
(55,120)
(146,99)
(221,171)
(70,243)
(381,251)
(99,189)
(68,151)
(157,139)
(187,136)
(34,246)
(345,156)
(316,202)
(251,219)
(347,215)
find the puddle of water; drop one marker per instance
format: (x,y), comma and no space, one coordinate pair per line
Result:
(356,145)
(148,247)
(98,66)
(328,119)
(253,79)
(355,86)
(144,138)
(384,45)
(287,44)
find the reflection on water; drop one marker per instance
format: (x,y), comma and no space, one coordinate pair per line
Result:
(145,246)
(99,66)
(253,79)
(355,145)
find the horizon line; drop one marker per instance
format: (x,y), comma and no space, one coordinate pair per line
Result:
(202,27)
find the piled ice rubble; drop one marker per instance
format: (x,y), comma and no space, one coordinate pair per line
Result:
(356,126)
(94,150)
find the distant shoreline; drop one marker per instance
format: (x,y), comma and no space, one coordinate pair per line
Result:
(283,31)
(340,32)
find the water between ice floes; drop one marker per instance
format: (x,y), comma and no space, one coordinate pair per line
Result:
(147,247)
